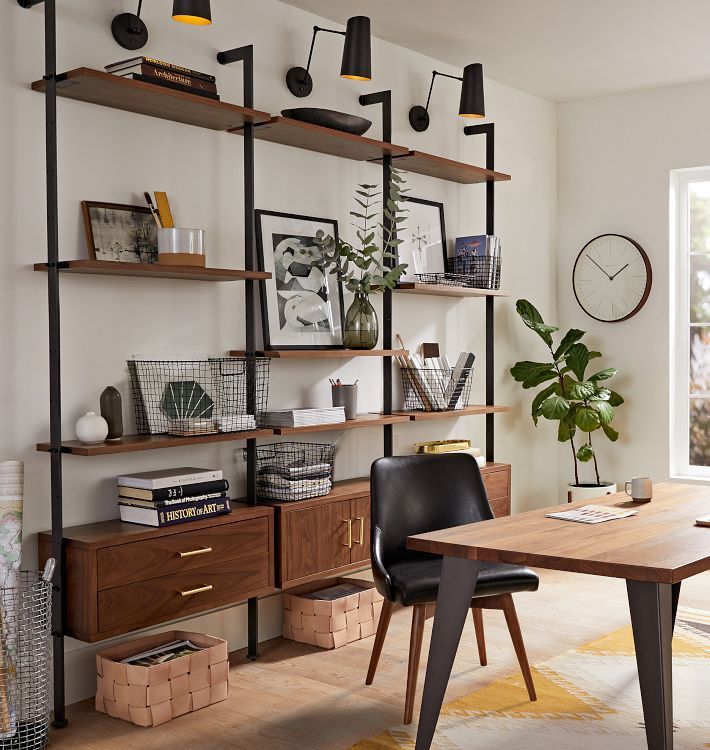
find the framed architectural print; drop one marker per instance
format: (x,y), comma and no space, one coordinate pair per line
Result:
(118,232)
(302,303)
(423,238)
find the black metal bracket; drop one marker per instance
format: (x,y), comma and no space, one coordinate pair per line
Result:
(299,79)
(384,98)
(29,3)
(129,29)
(488,130)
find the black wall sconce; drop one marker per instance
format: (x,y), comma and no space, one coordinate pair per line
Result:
(357,58)
(472,100)
(129,30)
(195,12)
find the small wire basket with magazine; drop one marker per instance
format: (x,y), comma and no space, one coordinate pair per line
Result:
(476,272)
(199,396)
(288,472)
(25,660)
(436,388)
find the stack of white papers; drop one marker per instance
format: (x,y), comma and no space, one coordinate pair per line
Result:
(592,514)
(304,417)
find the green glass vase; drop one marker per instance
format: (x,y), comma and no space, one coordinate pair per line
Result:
(361,329)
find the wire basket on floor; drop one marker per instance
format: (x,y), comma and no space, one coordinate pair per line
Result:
(482,271)
(436,389)
(288,472)
(200,396)
(25,662)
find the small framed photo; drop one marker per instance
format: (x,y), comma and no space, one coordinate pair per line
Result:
(120,233)
(302,303)
(424,238)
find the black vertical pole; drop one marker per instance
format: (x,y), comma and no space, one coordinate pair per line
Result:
(385,99)
(55,388)
(246,56)
(489,131)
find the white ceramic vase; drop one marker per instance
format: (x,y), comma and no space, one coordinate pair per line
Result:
(91,428)
(589,491)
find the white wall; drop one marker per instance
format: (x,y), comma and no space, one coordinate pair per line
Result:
(108,155)
(615,157)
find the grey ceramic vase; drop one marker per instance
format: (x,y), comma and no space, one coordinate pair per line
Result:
(112,412)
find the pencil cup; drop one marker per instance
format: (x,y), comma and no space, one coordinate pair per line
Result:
(346,395)
(181,247)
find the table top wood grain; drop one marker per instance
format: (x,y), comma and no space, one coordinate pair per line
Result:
(660,544)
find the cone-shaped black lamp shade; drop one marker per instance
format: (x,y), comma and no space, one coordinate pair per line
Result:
(195,12)
(357,60)
(472,100)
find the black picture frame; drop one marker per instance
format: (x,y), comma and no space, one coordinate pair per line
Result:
(412,270)
(269,292)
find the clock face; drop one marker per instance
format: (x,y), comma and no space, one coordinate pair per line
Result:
(612,278)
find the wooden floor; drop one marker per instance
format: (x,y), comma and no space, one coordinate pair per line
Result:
(296,697)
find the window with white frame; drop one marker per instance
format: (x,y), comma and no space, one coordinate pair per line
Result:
(690,306)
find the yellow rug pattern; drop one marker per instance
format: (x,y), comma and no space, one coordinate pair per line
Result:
(588,698)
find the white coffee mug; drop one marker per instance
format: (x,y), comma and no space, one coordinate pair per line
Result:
(640,489)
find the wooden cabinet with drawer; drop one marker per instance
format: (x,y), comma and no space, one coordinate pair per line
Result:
(122,577)
(496,478)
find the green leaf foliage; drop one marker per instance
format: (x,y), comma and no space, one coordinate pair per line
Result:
(533,320)
(606,413)
(532,374)
(610,432)
(615,399)
(604,374)
(571,337)
(577,359)
(577,391)
(587,419)
(542,396)
(554,407)
(585,453)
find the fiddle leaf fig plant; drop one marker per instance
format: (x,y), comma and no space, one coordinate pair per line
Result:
(370,264)
(576,401)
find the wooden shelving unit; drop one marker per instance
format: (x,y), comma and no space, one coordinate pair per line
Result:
(107,90)
(133,443)
(326,353)
(469,411)
(299,134)
(362,420)
(445,169)
(444,290)
(153,271)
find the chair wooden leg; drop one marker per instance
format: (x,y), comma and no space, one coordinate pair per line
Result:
(415,650)
(383,624)
(511,619)
(480,634)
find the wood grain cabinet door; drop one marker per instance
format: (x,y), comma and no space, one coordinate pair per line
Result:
(315,540)
(360,512)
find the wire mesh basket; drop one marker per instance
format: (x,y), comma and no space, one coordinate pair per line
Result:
(482,271)
(436,389)
(25,662)
(288,472)
(199,396)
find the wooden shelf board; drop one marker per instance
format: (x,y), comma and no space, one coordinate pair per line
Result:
(154,270)
(326,353)
(362,420)
(445,169)
(469,411)
(133,443)
(290,132)
(444,290)
(105,89)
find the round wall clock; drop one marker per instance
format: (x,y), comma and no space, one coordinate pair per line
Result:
(612,278)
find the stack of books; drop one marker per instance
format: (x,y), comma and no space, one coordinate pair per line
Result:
(150,70)
(172,496)
(304,417)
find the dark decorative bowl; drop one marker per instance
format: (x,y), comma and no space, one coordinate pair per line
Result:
(328,118)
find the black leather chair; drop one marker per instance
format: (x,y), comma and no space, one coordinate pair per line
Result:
(416,494)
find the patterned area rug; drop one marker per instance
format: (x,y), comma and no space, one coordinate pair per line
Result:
(587,699)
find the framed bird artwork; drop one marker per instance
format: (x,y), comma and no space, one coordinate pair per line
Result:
(302,303)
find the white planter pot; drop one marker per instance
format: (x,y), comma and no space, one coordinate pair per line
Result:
(589,491)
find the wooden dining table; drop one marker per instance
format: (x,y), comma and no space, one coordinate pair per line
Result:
(654,551)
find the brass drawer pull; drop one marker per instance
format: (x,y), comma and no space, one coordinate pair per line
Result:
(349,543)
(200,590)
(361,540)
(194,552)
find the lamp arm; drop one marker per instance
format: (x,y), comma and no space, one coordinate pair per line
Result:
(316,29)
(434,74)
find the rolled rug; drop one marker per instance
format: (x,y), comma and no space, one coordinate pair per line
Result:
(11,496)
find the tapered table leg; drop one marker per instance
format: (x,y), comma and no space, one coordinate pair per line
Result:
(458,581)
(652,611)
